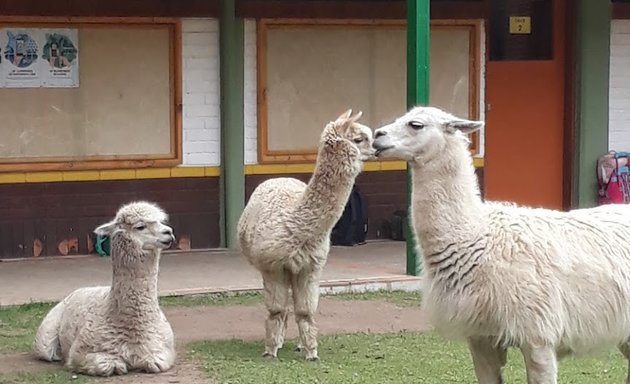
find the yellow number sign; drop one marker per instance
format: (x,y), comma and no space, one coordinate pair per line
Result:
(520,25)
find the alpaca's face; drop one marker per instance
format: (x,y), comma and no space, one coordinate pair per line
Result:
(142,222)
(358,134)
(420,134)
(152,234)
(361,136)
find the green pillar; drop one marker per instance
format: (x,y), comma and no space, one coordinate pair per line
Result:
(232,132)
(592,82)
(418,37)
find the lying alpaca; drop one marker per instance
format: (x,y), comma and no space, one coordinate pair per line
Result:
(285,228)
(110,330)
(498,275)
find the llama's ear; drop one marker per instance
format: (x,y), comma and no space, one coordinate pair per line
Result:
(106,229)
(465,126)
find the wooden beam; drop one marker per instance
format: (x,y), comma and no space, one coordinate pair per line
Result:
(621,10)
(111,8)
(354,9)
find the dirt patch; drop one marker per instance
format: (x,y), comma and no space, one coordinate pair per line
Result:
(334,317)
(247,322)
(24,362)
(184,372)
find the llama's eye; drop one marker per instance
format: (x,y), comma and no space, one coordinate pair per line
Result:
(358,140)
(141,227)
(416,125)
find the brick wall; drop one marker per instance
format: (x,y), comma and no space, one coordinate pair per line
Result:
(619,93)
(201,91)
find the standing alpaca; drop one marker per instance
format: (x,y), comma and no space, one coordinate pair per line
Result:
(285,228)
(102,331)
(548,282)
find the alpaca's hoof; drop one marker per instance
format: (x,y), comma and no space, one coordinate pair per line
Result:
(269,356)
(108,367)
(313,359)
(120,369)
(298,348)
(155,367)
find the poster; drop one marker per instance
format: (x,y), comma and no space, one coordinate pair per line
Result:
(20,54)
(36,57)
(59,64)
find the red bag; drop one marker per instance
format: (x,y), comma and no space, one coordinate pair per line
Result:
(613,176)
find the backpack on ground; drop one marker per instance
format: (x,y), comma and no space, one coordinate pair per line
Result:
(613,177)
(352,227)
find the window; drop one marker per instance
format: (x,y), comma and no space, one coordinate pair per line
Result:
(311,71)
(124,112)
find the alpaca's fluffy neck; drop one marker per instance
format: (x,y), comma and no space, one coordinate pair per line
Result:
(327,192)
(446,203)
(134,290)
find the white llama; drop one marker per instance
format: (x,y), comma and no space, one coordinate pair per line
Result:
(102,331)
(285,228)
(499,275)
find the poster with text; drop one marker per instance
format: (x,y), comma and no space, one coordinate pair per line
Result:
(59,62)
(19,54)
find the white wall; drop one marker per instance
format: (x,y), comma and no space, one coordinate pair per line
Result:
(201,91)
(251,106)
(619,91)
(482,87)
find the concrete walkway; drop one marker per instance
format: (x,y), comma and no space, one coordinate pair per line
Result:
(373,266)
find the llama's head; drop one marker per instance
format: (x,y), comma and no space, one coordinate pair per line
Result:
(421,134)
(348,127)
(142,223)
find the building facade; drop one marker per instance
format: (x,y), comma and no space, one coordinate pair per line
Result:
(192,104)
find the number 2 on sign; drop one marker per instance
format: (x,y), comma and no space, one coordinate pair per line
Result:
(520,25)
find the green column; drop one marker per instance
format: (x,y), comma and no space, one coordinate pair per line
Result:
(232,132)
(592,82)
(418,36)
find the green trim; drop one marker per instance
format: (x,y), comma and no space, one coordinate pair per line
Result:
(232,192)
(592,83)
(418,39)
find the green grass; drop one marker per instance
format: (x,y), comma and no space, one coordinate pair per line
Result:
(393,358)
(212,299)
(399,298)
(43,378)
(18,325)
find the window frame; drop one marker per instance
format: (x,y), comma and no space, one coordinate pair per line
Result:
(97,162)
(267,156)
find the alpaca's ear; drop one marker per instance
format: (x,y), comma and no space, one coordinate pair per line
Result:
(357,116)
(345,116)
(106,229)
(465,126)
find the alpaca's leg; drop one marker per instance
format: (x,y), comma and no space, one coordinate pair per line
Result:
(488,359)
(305,287)
(625,349)
(97,364)
(541,364)
(287,304)
(276,300)
(46,343)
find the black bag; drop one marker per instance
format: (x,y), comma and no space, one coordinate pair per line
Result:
(352,227)
(399,226)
